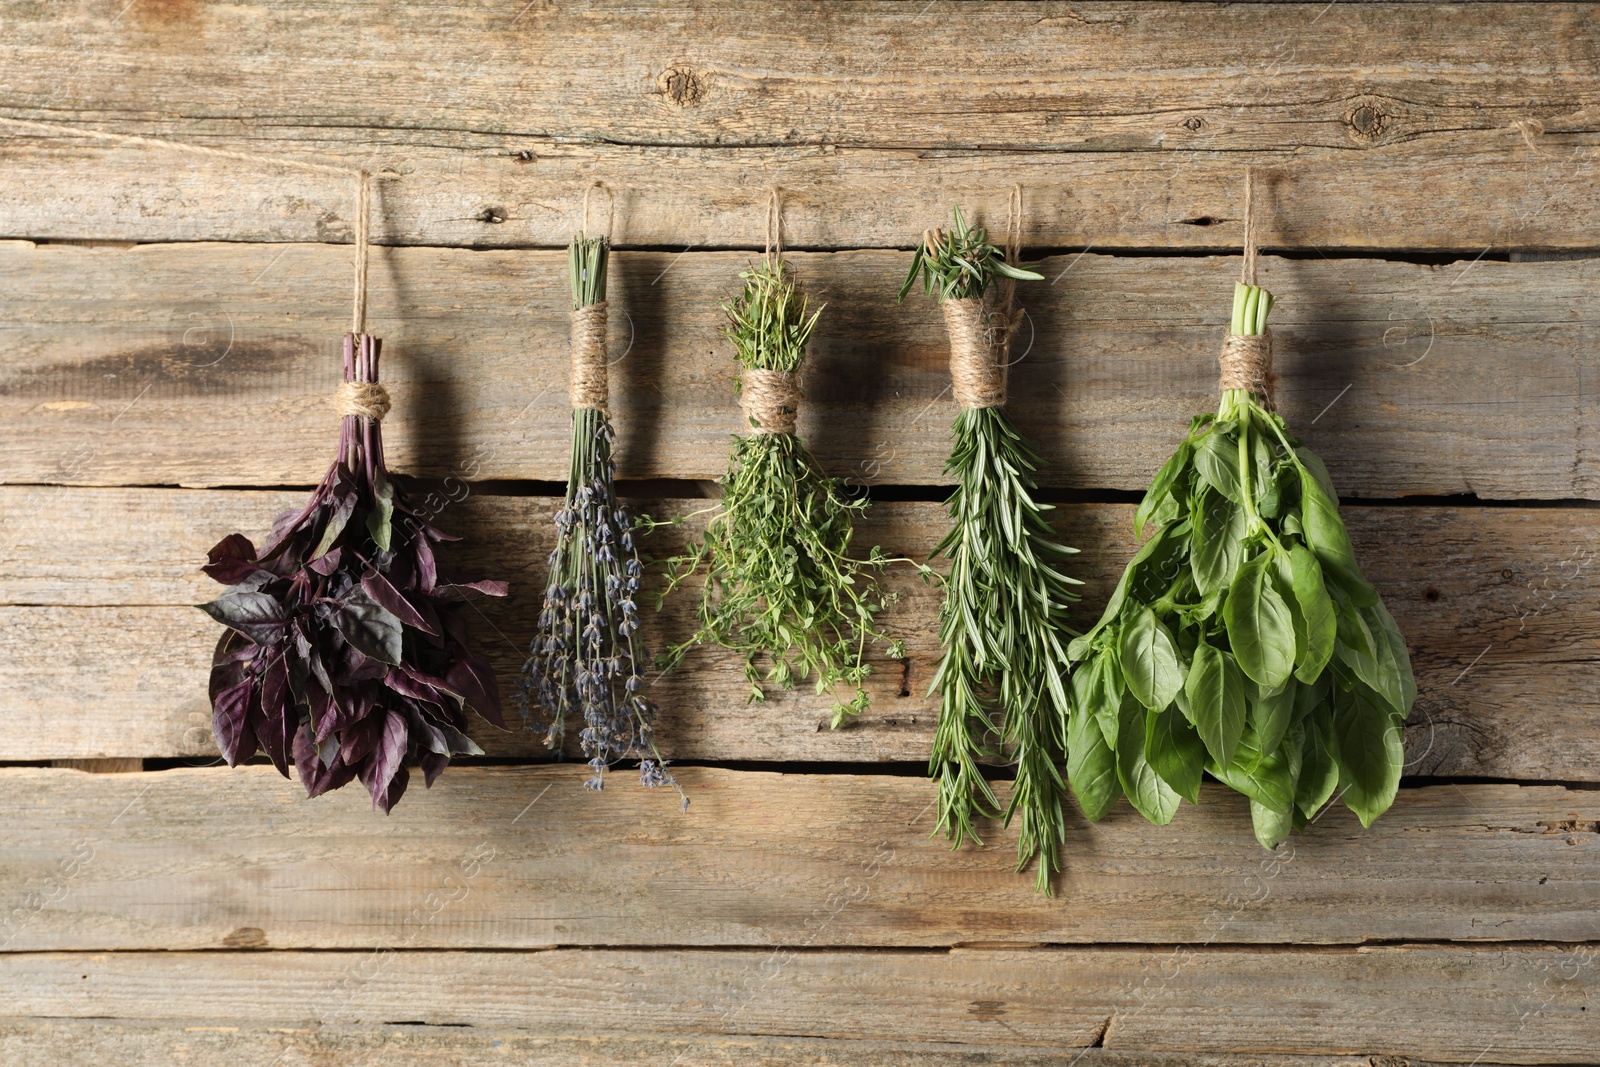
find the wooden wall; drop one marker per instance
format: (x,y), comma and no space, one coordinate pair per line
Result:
(168,331)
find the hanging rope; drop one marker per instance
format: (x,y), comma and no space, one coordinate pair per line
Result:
(1246,359)
(611,209)
(1247,271)
(774,250)
(362,227)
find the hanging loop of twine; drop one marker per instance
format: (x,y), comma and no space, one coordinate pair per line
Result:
(1246,363)
(1247,269)
(611,209)
(770,399)
(588,387)
(366,399)
(774,247)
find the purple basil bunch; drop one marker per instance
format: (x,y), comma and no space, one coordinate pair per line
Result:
(346,651)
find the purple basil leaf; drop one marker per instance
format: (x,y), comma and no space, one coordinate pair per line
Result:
(460,744)
(427,569)
(469,590)
(427,736)
(278,715)
(259,616)
(378,588)
(327,564)
(230,717)
(396,790)
(388,758)
(408,685)
(433,765)
(316,775)
(370,628)
(360,736)
(344,507)
(232,560)
(473,680)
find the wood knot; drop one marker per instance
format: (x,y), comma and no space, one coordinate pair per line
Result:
(246,937)
(1366,121)
(684,86)
(1193,123)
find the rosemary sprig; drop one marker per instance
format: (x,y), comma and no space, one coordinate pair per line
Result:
(1001,681)
(782,586)
(585,659)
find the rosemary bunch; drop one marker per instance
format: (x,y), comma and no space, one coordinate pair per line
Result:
(1001,681)
(585,660)
(781,583)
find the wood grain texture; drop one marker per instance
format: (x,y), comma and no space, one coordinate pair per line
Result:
(1498,605)
(527,857)
(136,1043)
(212,365)
(1427,1003)
(1084,77)
(1467,191)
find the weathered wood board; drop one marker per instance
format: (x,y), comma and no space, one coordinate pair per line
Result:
(1398,374)
(527,857)
(170,320)
(1496,604)
(1522,1004)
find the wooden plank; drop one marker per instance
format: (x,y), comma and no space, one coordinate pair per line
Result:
(527,857)
(212,364)
(1427,1003)
(1466,191)
(132,1043)
(1090,77)
(1494,603)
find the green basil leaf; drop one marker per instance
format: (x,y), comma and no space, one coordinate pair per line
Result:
(1097,692)
(1149,661)
(1217,541)
(1175,752)
(1151,796)
(1386,631)
(1091,766)
(1272,713)
(1319,470)
(1270,827)
(1266,778)
(1160,494)
(381,518)
(1315,620)
(1370,752)
(1216,700)
(1154,571)
(1319,769)
(1324,531)
(1261,464)
(1216,460)
(1260,630)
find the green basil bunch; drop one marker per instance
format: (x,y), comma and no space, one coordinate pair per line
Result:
(1242,639)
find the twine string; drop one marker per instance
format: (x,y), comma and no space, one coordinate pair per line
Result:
(770,399)
(774,247)
(1246,359)
(977,366)
(588,387)
(1247,270)
(611,208)
(362,227)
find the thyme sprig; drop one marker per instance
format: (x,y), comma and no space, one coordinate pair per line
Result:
(585,660)
(782,587)
(1003,625)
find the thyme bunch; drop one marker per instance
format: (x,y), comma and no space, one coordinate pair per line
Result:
(782,587)
(585,661)
(1003,624)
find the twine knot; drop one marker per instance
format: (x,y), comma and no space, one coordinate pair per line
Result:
(1246,362)
(770,399)
(366,399)
(588,388)
(980,339)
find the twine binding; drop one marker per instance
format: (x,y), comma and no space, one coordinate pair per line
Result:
(1246,363)
(770,399)
(588,387)
(980,339)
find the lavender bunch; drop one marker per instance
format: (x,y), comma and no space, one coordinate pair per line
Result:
(585,660)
